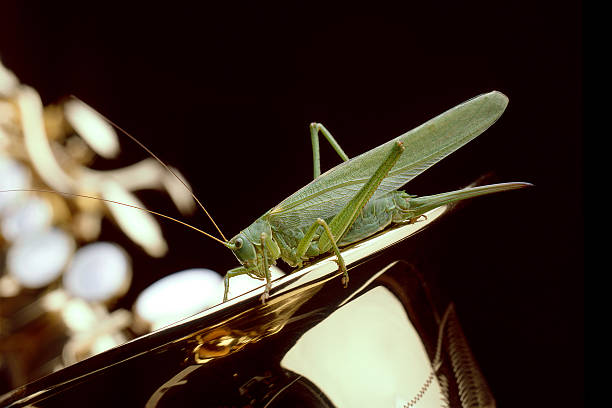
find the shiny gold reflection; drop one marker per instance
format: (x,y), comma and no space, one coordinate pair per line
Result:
(249,326)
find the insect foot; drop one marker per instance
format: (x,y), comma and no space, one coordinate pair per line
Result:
(345,279)
(342,267)
(415,219)
(339,259)
(266,295)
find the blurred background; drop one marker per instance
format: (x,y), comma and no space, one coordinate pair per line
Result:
(225,93)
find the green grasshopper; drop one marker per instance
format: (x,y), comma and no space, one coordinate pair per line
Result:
(355,199)
(359,197)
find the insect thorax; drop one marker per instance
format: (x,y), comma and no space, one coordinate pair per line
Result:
(253,232)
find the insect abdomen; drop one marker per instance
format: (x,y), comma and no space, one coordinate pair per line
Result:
(378,214)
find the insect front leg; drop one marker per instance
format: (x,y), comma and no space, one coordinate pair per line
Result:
(241,270)
(315,128)
(266,270)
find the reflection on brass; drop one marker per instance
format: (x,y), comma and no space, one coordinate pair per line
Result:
(232,354)
(249,326)
(371,344)
(216,343)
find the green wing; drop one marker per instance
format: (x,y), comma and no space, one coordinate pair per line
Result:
(424,146)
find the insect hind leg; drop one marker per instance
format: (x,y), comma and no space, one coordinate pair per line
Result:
(339,259)
(309,236)
(315,128)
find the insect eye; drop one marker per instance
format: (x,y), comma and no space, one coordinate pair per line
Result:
(238,243)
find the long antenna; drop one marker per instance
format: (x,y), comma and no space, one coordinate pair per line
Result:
(167,168)
(115,202)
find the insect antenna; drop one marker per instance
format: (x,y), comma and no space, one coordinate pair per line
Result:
(167,168)
(114,202)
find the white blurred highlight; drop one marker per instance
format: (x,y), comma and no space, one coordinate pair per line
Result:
(35,214)
(36,142)
(9,286)
(93,128)
(55,300)
(180,195)
(140,226)
(103,343)
(98,272)
(147,173)
(38,259)
(178,296)
(8,81)
(78,315)
(13,175)
(94,330)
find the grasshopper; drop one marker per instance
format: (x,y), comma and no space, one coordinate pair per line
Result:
(359,197)
(356,198)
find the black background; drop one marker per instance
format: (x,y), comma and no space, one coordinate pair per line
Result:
(225,93)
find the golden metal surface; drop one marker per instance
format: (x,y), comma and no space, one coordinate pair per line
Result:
(382,340)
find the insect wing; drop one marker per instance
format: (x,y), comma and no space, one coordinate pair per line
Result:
(424,145)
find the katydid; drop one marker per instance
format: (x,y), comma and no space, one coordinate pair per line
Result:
(358,197)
